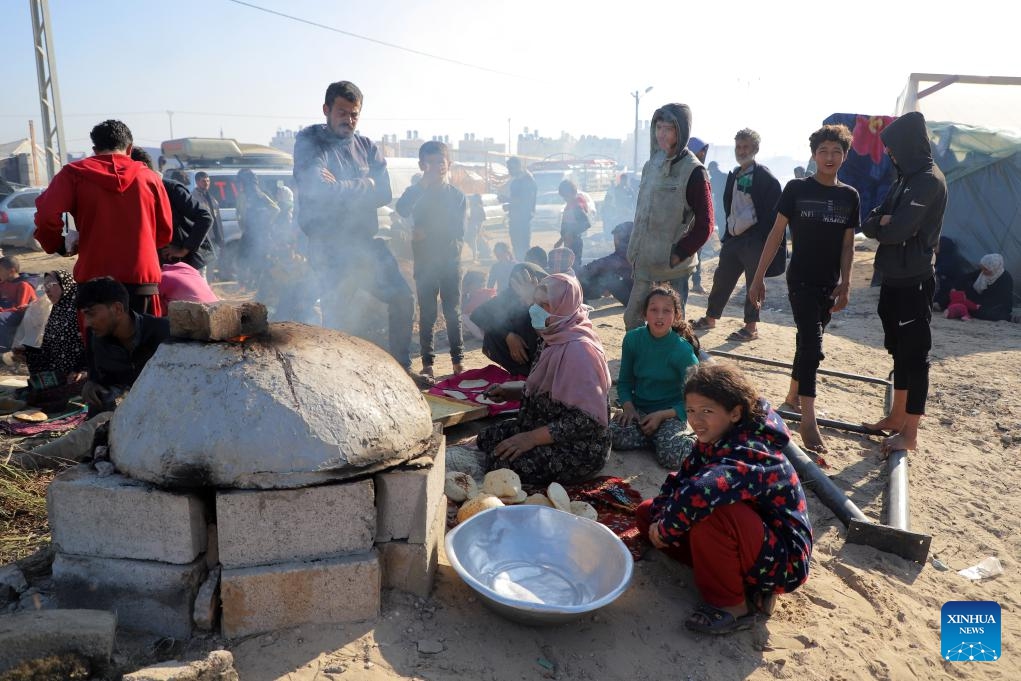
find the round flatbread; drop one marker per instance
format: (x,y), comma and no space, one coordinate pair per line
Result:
(31,415)
(517,499)
(558,495)
(584,509)
(473,384)
(482,502)
(459,487)
(13,382)
(538,500)
(503,483)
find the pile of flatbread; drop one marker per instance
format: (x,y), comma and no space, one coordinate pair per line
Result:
(502,487)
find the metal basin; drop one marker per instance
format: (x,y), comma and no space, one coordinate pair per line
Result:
(538,565)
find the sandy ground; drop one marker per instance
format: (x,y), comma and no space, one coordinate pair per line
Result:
(863,614)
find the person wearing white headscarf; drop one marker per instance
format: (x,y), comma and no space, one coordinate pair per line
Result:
(993,290)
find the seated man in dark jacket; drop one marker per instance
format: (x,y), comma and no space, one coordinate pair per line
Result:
(118,343)
(509,339)
(612,273)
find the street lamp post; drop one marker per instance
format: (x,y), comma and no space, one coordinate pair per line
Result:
(637,95)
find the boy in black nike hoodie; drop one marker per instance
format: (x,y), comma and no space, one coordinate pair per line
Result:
(907,225)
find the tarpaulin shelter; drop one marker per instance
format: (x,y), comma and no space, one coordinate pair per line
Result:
(983,171)
(867,167)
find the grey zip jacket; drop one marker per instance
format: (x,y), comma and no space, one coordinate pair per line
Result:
(916,203)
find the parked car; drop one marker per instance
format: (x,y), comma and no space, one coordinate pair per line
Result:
(549,210)
(17,218)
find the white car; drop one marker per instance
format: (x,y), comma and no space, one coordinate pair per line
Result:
(549,210)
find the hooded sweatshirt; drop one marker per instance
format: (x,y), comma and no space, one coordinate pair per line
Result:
(916,204)
(122,214)
(674,215)
(345,209)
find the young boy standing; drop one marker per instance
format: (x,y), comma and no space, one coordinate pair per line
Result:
(823,214)
(438,212)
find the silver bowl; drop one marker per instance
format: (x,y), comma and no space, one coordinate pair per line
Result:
(538,565)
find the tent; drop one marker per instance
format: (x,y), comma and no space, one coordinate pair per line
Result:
(983,171)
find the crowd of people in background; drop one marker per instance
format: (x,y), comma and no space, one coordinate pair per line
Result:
(732,507)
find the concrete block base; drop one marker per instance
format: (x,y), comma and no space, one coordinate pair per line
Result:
(145,595)
(259,599)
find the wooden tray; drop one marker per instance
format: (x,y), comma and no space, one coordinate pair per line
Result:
(448,411)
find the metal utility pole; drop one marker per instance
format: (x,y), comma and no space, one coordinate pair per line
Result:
(638,97)
(49,92)
(170,115)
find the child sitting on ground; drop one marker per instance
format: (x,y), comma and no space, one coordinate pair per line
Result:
(473,294)
(735,511)
(499,273)
(654,362)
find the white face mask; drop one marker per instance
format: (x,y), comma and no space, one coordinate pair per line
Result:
(538,316)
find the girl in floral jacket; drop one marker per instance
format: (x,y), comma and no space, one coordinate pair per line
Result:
(735,511)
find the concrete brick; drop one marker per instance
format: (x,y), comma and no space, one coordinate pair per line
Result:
(217,321)
(412,567)
(117,517)
(259,599)
(405,499)
(145,595)
(283,526)
(34,635)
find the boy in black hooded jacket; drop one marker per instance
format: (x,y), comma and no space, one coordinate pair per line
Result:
(907,225)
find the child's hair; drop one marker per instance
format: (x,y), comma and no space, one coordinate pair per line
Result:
(679,325)
(433,147)
(501,247)
(726,385)
(9,262)
(473,279)
(537,256)
(831,133)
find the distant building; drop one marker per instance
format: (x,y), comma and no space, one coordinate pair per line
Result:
(16,164)
(471,150)
(284,140)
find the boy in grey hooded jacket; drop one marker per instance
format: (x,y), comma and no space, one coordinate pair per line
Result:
(674,217)
(907,225)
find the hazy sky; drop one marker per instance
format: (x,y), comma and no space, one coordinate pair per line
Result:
(778,67)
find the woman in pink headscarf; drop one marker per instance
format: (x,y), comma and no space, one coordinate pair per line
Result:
(562,430)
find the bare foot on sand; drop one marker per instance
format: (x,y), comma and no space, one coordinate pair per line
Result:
(899,441)
(891,424)
(811,437)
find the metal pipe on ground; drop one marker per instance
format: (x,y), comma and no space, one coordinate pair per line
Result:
(785,365)
(830,423)
(899,541)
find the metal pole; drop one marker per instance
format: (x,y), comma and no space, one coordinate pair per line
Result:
(784,365)
(35,156)
(830,423)
(829,494)
(897,495)
(170,115)
(49,91)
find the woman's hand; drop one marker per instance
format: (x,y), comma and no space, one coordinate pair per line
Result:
(515,446)
(655,537)
(628,414)
(651,423)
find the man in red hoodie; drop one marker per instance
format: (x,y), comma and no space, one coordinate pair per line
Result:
(121,211)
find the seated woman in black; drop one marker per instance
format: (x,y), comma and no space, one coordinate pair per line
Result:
(56,367)
(508,337)
(993,290)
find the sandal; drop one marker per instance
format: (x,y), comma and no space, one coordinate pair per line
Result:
(742,335)
(717,622)
(787,406)
(700,324)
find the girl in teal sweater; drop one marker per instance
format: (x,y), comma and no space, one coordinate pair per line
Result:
(654,363)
